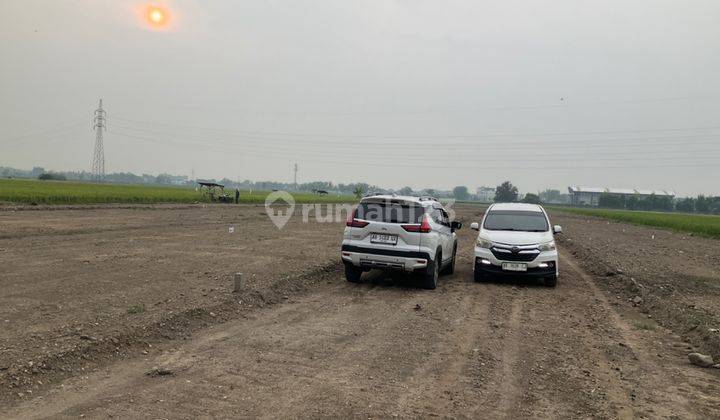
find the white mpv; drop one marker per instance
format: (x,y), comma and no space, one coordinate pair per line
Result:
(413,234)
(516,239)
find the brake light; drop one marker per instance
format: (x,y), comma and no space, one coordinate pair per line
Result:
(353,222)
(422,227)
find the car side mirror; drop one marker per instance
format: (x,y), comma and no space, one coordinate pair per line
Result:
(455,225)
(557,229)
(475,226)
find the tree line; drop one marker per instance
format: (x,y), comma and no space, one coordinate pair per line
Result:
(508,193)
(504,193)
(699,204)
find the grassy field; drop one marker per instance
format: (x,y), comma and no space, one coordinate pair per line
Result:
(65,192)
(701,224)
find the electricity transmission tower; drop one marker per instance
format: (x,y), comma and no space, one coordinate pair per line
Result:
(99,125)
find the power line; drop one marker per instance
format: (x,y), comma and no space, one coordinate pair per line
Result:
(63,128)
(394,162)
(410,152)
(504,143)
(464,109)
(420,136)
(442,149)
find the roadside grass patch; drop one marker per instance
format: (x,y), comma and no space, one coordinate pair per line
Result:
(645,326)
(705,225)
(136,309)
(28,191)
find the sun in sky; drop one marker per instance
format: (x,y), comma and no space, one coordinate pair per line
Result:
(157,16)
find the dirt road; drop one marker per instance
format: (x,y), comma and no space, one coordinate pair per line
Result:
(301,341)
(318,346)
(73,279)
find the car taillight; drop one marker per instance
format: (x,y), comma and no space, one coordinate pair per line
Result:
(353,222)
(422,227)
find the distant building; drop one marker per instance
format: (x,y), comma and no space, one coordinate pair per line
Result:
(37,171)
(485,194)
(178,179)
(551,196)
(590,196)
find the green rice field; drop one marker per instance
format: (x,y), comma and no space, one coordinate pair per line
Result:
(25,191)
(705,225)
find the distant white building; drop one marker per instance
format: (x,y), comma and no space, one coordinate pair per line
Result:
(485,194)
(590,196)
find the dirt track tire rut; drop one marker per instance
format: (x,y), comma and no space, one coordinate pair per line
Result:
(385,348)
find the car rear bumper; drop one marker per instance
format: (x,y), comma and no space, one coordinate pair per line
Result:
(384,258)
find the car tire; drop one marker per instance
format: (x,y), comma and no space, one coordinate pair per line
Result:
(352,273)
(450,268)
(432,272)
(479,276)
(551,281)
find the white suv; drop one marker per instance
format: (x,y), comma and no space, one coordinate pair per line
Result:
(400,233)
(516,238)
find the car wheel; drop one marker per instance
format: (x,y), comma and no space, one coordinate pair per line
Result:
(551,281)
(450,268)
(352,273)
(479,276)
(432,272)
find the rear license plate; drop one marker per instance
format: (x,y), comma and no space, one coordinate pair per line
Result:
(514,267)
(379,238)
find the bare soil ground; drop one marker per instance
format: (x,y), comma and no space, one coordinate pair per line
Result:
(128,312)
(673,277)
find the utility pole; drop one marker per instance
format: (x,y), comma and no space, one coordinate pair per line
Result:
(296,176)
(99,125)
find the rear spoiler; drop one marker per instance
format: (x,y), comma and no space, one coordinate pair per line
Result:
(396,201)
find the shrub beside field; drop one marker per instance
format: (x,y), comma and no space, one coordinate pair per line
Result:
(60,192)
(695,223)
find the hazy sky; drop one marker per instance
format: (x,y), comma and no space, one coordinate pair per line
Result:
(414,92)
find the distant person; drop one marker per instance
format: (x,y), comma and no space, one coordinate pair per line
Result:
(237,195)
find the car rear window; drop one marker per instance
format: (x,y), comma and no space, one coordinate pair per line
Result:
(390,212)
(526,221)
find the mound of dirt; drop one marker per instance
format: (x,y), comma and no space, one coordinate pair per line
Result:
(673,278)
